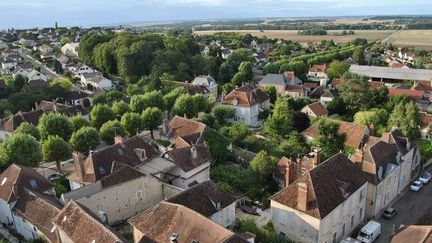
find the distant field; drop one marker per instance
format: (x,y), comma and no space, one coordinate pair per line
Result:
(293,35)
(413,38)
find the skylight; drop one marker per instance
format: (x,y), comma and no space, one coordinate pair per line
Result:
(33,184)
(101,170)
(3,181)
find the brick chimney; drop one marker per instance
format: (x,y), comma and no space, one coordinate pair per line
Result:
(289,174)
(317,157)
(302,196)
(79,164)
(118,139)
(372,129)
(299,167)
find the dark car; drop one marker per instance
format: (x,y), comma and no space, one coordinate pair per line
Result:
(389,213)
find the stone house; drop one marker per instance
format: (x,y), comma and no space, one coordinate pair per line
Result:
(324,205)
(207,81)
(315,110)
(280,82)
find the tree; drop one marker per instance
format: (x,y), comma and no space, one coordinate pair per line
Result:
(397,99)
(27,128)
(101,114)
(239,79)
(78,122)
(132,123)
(201,103)
(246,69)
(99,99)
(238,132)
(20,149)
(151,118)
(54,124)
(113,95)
(17,83)
(64,40)
(54,148)
(295,146)
(375,116)
(358,56)
(329,140)
(151,99)
(272,93)
(336,106)
(280,123)
(185,105)
(218,145)
(355,92)
(406,118)
(171,97)
(120,107)
(263,163)
(85,139)
(109,130)
(337,69)
(223,113)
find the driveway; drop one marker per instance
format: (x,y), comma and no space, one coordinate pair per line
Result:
(411,206)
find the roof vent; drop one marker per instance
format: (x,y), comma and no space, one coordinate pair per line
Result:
(194,241)
(173,237)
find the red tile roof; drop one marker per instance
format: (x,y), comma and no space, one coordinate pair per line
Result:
(318,68)
(415,94)
(425,119)
(245,96)
(413,234)
(318,109)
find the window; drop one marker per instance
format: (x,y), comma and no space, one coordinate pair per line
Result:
(352,221)
(361,195)
(33,184)
(360,213)
(343,229)
(334,237)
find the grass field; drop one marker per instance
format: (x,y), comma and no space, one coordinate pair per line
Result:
(413,38)
(293,35)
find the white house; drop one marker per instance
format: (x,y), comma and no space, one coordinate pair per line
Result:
(192,165)
(36,75)
(248,102)
(96,80)
(70,49)
(317,72)
(284,83)
(8,64)
(3,45)
(207,81)
(27,203)
(82,69)
(324,205)
(210,201)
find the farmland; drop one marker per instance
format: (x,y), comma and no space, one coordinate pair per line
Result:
(421,39)
(370,35)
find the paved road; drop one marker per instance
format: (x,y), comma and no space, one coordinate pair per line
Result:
(411,206)
(50,168)
(42,66)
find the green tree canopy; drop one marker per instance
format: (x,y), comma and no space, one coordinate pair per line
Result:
(27,128)
(54,124)
(294,147)
(120,107)
(109,130)
(329,140)
(406,118)
(55,148)
(185,105)
(263,163)
(151,99)
(337,69)
(151,118)
(78,122)
(132,123)
(171,97)
(85,139)
(223,113)
(280,123)
(101,114)
(21,149)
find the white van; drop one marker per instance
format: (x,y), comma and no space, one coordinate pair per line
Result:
(369,232)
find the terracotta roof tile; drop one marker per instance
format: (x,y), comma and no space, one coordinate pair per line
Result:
(245,96)
(318,109)
(17,177)
(413,234)
(318,68)
(182,157)
(164,219)
(79,224)
(183,127)
(415,94)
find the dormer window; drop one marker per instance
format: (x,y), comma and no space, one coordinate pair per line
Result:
(101,170)
(141,153)
(3,181)
(235,101)
(33,184)
(380,172)
(173,237)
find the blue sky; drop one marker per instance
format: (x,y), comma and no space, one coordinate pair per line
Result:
(42,13)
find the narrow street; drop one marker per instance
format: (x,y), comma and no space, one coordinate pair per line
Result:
(411,206)
(44,69)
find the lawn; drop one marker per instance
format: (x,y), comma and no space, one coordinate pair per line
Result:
(421,39)
(370,35)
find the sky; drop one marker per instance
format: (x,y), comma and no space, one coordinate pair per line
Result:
(44,13)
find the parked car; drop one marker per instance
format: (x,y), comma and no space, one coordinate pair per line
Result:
(389,213)
(425,177)
(369,232)
(54,177)
(416,186)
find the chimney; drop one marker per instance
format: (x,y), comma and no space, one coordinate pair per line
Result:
(299,167)
(79,165)
(193,150)
(205,144)
(408,144)
(223,96)
(36,105)
(372,129)
(317,157)
(302,196)
(184,115)
(118,139)
(289,174)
